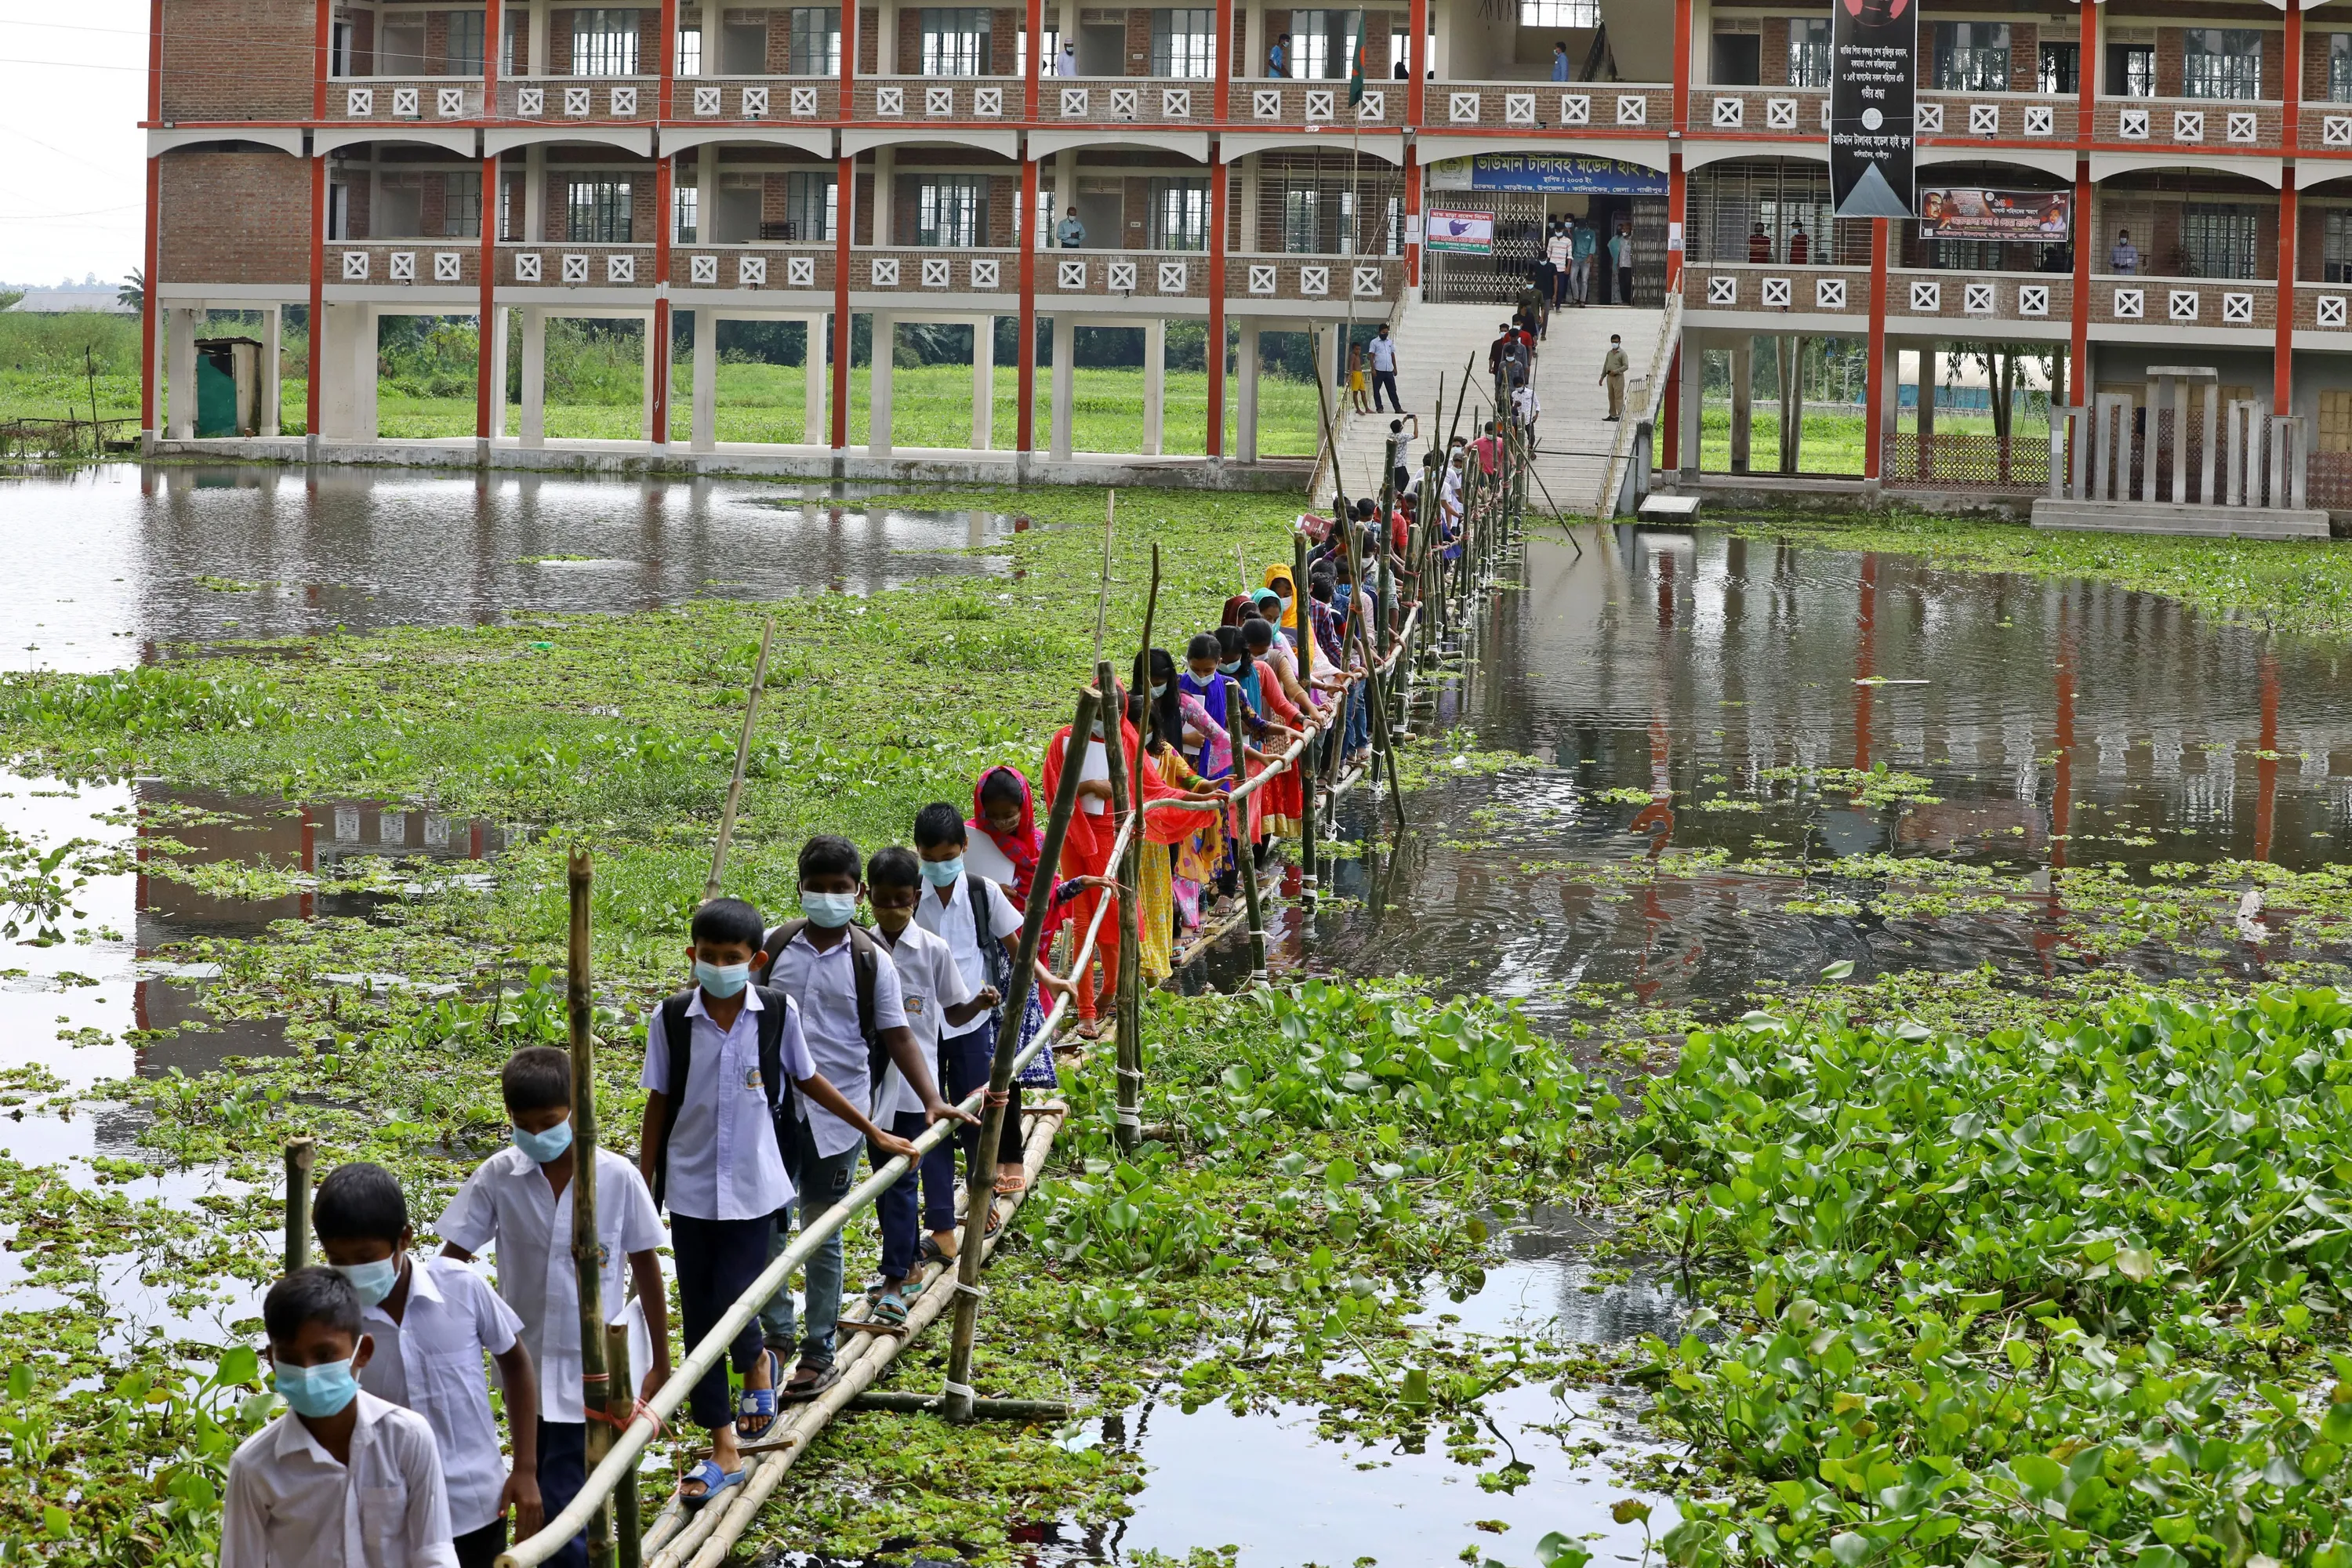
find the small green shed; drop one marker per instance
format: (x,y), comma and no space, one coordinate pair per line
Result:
(228,387)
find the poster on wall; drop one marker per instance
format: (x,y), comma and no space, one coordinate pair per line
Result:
(1461,232)
(1568,173)
(1874,60)
(2036,217)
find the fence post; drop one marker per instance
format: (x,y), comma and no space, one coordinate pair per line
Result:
(1126,798)
(957,1400)
(595,1392)
(1304,637)
(628,1515)
(1244,850)
(302,1157)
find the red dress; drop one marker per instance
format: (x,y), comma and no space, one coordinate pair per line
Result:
(1086,852)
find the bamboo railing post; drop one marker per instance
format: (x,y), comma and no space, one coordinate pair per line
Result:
(301,1158)
(628,1514)
(1126,795)
(595,1392)
(742,757)
(1244,850)
(1375,695)
(958,1393)
(1305,639)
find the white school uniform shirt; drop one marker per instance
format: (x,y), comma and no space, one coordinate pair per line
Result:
(824,986)
(723,1160)
(951,920)
(929,982)
(1383,352)
(508,1203)
(290,1505)
(431,1363)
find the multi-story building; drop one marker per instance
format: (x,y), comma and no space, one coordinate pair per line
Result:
(528,159)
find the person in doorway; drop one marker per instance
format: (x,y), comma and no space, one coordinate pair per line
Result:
(1560,62)
(1066,63)
(1559,250)
(1620,262)
(2123,257)
(1583,240)
(1613,367)
(1760,247)
(1359,393)
(1070,233)
(1277,58)
(1382,349)
(1801,246)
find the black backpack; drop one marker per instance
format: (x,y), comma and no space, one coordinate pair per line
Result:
(866,957)
(678,1030)
(992,947)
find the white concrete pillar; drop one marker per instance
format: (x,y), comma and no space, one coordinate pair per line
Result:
(705,429)
(886,165)
(273,348)
(1245,404)
(1327,365)
(814,430)
(534,375)
(534,195)
(362,362)
(334,330)
(1249,245)
(499,337)
(1065,191)
(1155,386)
(706,182)
(1692,364)
(878,398)
(649,358)
(885,39)
(537,37)
(1254,43)
(1064,385)
(179,375)
(983,382)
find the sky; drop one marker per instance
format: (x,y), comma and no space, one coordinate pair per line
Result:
(72,174)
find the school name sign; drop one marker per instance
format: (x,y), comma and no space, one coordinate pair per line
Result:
(1874,81)
(1563,173)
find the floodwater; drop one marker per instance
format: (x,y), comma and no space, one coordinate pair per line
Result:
(1684,693)
(104,567)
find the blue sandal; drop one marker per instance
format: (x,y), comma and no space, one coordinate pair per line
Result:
(755,1408)
(714,1481)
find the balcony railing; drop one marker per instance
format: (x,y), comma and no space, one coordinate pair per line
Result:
(1981,296)
(2324,127)
(916,272)
(1796,291)
(1119,100)
(2323,308)
(1314,103)
(445,263)
(385,99)
(576,265)
(559,98)
(1952,116)
(758,97)
(1338,280)
(2176,304)
(782,268)
(1613,108)
(2195,124)
(1798,112)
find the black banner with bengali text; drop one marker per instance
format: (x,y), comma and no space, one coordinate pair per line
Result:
(1874,68)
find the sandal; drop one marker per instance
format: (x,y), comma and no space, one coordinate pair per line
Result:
(714,1481)
(807,1382)
(1008,1186)
(888,1316)
(755,1408)
(928,1251)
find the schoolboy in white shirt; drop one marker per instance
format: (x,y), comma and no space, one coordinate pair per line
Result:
(342,1479)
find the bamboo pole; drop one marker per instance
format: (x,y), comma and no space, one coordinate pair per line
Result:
(1244,850)
(595,1392)
(911,1403)
(1126,792)
(301,1158)
(1102,594)
(958,1391)
(628,1514)
(1308,783)
(742,758)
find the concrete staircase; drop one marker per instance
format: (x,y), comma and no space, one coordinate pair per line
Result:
(1574,439)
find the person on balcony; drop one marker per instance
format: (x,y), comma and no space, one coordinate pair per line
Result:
(1067,62)
(1070,233)
(2122,259)
(1277,58)
(1760,247)
(1560,62)
(1801,246)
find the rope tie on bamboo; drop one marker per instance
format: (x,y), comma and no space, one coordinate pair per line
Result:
(642,1411)
(998,1099)
(973,1291)
(964,1389)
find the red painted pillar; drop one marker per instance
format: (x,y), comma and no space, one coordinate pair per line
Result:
(1416,70)
(1224,59)
(491,372)
(1411,214)
(2282,353)
(2086,100)
(1873,417)
(1216,343)
(1025,235)
(1036,65)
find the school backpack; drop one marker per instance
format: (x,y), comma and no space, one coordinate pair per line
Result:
(991,948)
(865,963)
(678,1030)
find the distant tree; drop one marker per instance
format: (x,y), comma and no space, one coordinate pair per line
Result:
(131,295)
(8,296)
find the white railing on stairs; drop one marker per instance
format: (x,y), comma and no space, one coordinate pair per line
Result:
(1319,483)
(1661,359)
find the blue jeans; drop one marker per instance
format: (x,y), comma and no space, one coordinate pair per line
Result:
(821,1181)
(1360,718)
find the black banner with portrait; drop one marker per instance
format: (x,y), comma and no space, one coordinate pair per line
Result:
(1875,59)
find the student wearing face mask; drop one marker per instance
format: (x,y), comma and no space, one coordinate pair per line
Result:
(432,1321)
(520,1201)
(1175,722)
(342,1479)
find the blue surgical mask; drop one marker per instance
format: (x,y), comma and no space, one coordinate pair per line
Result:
(373,1282)
(721,980)
(316,1391)
(831,910)
(543,1147)
(1233,669)
(943,873)
(1160,692)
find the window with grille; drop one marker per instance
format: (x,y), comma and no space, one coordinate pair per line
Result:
(1972,57)
(1730,199)
(689,51)
(2131,71)
(2221,62)
(1321,44)
(1565,14)
(685,208)
(2335,247)
(1184,43)
(464,54)
(1180,214)
(952,210)
(598,211)
(808,208)
(461,204)
(1809,52)
(2218,241)
(955,40)
(1302,225)
(816,40)
(2339,68)
(604,43)
(2061,68)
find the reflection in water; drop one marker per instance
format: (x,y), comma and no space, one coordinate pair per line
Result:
(166,554)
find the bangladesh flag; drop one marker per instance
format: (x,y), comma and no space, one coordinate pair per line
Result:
(1356,63)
